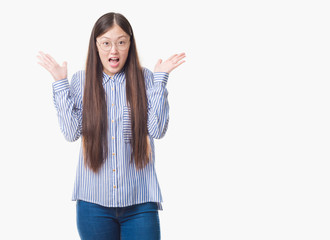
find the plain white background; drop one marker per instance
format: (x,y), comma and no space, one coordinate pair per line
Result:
(246,155)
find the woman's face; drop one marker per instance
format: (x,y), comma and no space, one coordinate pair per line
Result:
(113,47)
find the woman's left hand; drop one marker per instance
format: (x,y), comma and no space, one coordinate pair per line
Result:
(170,64)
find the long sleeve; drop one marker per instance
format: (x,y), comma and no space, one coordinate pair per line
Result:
(158,107)
(68,104)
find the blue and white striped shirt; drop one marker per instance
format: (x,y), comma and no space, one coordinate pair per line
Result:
(118,183)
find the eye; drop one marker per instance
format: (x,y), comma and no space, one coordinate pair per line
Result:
(121,43)
(105,43)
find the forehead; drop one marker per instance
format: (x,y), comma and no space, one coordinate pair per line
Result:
(114,33)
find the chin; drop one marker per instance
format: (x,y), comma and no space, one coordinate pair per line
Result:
(111,72)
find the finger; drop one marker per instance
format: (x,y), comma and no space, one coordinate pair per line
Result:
(175,62)
(177,65)
(179,57)
(41,64)
(51,59)
(42,54)
(44,61)
(65,64)
(44,58)
(44,66)
(181,54)
(171,58)
(159,62)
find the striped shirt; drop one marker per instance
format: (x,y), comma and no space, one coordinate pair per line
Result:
(118,183)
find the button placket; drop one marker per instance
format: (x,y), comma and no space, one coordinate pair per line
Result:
(113,127)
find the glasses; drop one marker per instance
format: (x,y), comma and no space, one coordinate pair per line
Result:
(106,45)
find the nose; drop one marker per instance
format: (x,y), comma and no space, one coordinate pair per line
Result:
(113,49)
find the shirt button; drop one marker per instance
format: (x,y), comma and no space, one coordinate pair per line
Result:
(112,104)
(114,170)
(114,187)
(112,120)
(113,154)
(113,137)
(112,89)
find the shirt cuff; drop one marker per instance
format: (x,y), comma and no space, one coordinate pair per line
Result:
(61,85)
(161,77)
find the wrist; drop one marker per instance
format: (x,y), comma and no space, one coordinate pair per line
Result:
(60,85)
(161,77)
(59,79)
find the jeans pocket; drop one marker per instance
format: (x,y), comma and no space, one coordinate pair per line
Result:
(127,127)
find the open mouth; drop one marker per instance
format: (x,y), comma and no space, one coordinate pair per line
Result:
(114,60)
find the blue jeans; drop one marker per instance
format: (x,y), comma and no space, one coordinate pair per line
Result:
(95,222)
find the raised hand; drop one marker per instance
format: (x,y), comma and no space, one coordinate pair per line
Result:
(170,64)
(58,72)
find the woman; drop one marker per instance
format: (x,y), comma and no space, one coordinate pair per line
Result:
(118,108)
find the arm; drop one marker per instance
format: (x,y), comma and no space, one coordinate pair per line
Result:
(67,100)
(158,107)
(68,104)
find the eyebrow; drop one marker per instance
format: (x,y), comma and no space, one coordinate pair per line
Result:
(117,37)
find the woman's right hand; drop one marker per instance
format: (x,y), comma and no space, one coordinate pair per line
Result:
(58,72)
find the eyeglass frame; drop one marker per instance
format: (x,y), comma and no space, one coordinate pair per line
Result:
(112,44)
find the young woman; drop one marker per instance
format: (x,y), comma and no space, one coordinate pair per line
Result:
(118,108)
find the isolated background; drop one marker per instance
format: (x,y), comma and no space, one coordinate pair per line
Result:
(246,155)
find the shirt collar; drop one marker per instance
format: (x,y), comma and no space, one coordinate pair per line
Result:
(118,77)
